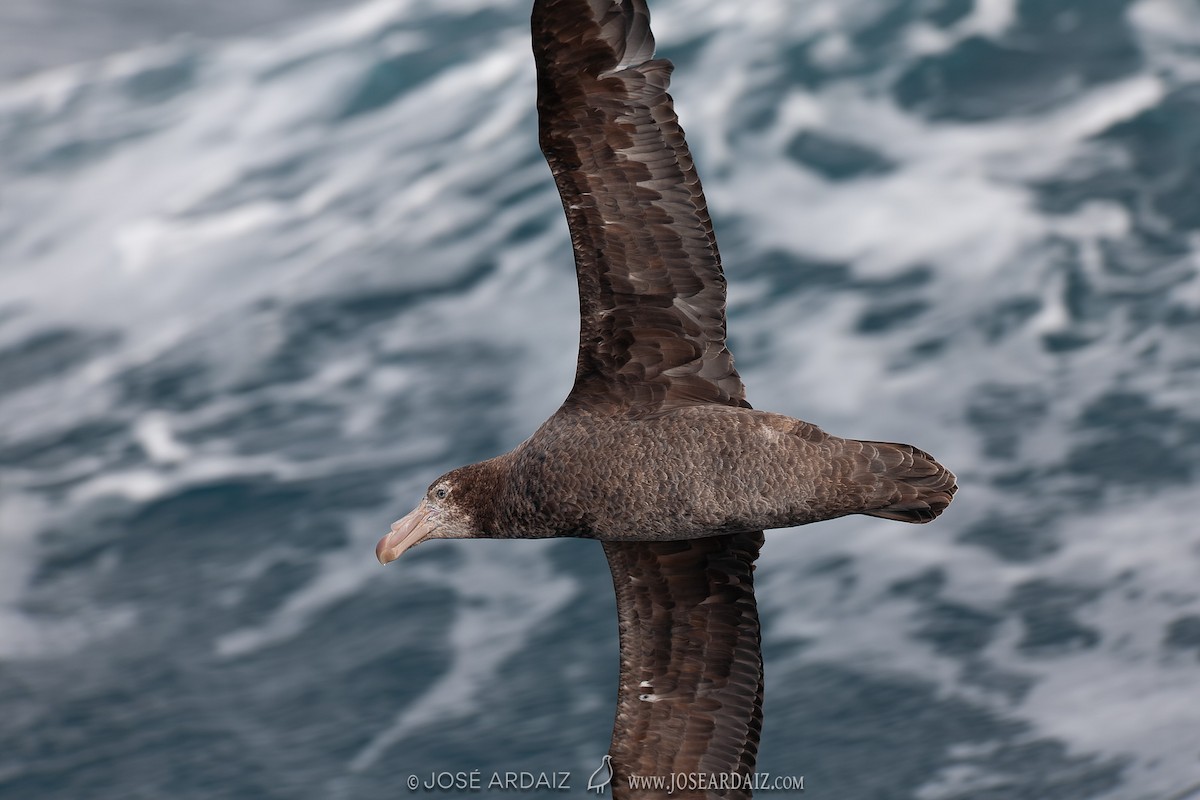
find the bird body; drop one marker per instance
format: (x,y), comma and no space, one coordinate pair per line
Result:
(689,472)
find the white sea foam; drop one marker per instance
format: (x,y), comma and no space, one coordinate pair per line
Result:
(505,595)
(27,636)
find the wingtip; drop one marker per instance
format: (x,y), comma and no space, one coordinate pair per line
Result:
(621,25)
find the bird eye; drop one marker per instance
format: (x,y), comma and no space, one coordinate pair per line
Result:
(440,493)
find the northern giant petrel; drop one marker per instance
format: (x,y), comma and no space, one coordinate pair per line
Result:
(656,452)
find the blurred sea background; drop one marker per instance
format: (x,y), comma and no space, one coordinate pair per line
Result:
(268,268)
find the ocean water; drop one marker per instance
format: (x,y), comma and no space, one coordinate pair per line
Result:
(265,272)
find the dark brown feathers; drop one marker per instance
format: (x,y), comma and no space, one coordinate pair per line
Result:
(901,482)
(656,452)
(651,291)
(691,692)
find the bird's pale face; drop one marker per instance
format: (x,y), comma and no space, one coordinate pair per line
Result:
(438,516)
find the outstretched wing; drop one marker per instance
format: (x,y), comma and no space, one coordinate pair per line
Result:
(691,691)
(651,291)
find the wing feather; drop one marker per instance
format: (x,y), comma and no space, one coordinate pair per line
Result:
(691,692)
(651,289)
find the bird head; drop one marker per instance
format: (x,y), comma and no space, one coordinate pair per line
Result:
(454,507)
(441,514)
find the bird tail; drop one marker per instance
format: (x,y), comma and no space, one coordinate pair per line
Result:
(904,483)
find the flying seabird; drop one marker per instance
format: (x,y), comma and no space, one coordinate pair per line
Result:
(656,452)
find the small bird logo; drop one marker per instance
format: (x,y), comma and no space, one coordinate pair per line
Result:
(597,782)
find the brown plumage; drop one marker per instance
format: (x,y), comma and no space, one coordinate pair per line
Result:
(656,452)
(691,686)
(651,292)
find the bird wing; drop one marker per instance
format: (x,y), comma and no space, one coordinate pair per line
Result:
(651,290)
(651,338)
(690,700)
